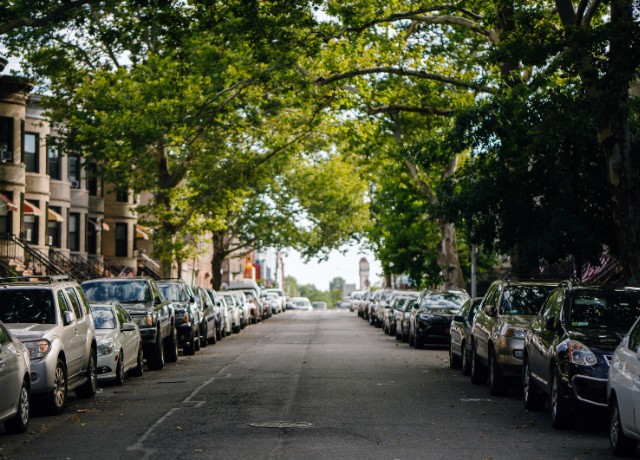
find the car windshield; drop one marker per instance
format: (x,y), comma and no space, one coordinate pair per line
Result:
(173,292)
(103,317)
(301,302)
(605,310)
(523,300)
(27,306)
(122,291)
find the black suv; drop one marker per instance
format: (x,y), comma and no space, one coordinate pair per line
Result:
(150,310)
(187,313)
(569,347)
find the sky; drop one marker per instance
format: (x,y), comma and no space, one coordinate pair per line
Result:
(321,273)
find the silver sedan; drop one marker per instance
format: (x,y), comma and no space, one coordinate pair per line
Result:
(15,369)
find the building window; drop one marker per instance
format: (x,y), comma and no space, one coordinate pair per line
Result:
(92,237)
(74,231)
(31,142)
(121,240)
(54,229)
(53,162)
(31,229)
(122,196)
(6,139)
(74,171)
(5,216)
(92,180)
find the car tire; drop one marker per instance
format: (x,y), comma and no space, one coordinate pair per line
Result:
(20,422)
(219,335)
(196,340)
(190,348)
(119,371)
(497,382)
(533,399)
(621,445)
(171,346)
(57,399)
(478,372)
(90,387)
(411,338)
(204,341)
(454,361)
(560,412)
(138,371)
(155,358)
(466,361)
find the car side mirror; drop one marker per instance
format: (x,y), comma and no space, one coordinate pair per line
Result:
(157,300)
(127,327)
(489,310)
(550,323)
(638,353)
(67,318)
(459,319)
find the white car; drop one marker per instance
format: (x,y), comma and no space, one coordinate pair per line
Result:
(15,382)
(623,390)
(234,310)
(119,343)
(301,303)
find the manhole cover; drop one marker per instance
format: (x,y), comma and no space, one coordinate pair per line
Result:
(281,424)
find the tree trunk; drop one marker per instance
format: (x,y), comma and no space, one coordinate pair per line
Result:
(219,254)
(448,258)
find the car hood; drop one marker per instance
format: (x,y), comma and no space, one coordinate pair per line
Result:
(519,321)
(29,331)
(441,311)
(606,340)
(138,308)
(106,335)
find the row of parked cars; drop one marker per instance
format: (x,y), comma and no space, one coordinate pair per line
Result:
(58,336)
(573,347)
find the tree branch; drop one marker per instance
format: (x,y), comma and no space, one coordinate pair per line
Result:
(394,108)
(453,21)
(61,12)
(406,73)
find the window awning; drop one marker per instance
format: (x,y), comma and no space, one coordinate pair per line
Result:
(30,209)
(9,203)
(141,234)
(103,227)
(53,216)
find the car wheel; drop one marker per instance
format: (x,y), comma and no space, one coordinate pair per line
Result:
(466,361)
(58,396)
(497,382)
(203,336)
(155,358)
(560,415)
(196,340)
(478,375)
(90,387)
(620,444)
(454,360)
(190,348)
(220,333)
(171,346)
(20,422)
(533,399)
(120,371)
(398,336)
(417,343)
(411,338)
(138,371)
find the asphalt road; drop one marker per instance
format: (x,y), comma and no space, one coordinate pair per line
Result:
(303,385)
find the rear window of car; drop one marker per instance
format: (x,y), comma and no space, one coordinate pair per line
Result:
(27,306)
(604,310)
(121,291)
(103,318)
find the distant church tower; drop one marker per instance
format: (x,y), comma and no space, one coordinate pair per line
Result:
(364,274)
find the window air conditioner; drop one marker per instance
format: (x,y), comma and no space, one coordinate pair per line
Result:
(27,234)
(50,240)
(75,184)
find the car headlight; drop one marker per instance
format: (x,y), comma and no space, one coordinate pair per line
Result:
(580,354)
(38,348)
(182,316)
(105,349)
(424,316)
(508,331)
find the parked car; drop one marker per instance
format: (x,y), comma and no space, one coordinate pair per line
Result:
(119,343)
(15,382)
(499,330)
(403,317)
(236,299)
(279,293)
(301,303)
(319,305)
(394,307)
(178,292)
(51,317)
(569,349)
(223,322)
(460,332)
(150,310)
(431,320)
(623,394)
(210,318)
(233,311)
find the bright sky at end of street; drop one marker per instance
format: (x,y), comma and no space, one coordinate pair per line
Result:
(345,266)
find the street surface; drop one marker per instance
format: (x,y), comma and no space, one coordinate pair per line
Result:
(302,385)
